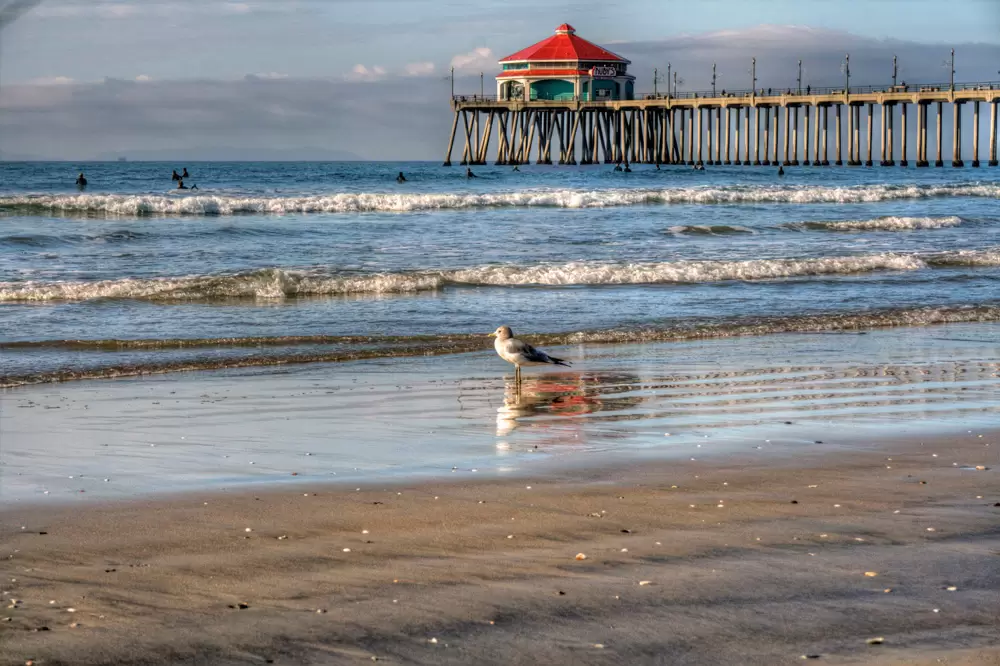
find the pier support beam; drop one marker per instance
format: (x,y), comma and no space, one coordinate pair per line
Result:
(839,161)
(785,161)
(816,110)
(690,143)
(854,129)
(718,136)
(697,134)
(956,135)
(746,137)
(795,136)
(451,140)
(993,133)
(739,113)
(729,120)
(975,134)
(871,112)
(939,162)
(767,137)
(805,136)
(890,113)
(774,137)
(850,136)
(756,136)
(881,138)
(922,136)
(826,135)
(902,135)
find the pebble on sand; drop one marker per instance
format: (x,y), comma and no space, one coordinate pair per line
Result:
(871,574)
(878,640)
(581,556)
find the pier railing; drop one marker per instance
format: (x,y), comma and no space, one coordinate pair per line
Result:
(760,93)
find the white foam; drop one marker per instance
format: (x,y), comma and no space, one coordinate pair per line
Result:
(205,204)
(889,223)
(279,283)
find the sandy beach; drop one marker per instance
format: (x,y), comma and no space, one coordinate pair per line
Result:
(878,552)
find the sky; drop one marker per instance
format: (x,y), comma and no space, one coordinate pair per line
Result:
(314,79)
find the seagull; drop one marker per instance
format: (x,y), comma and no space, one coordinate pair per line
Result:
(519,352)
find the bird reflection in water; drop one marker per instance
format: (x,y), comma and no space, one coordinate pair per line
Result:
(562,395)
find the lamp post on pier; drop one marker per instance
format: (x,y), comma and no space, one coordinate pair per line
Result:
(952,68)
(713,79)
(798,80)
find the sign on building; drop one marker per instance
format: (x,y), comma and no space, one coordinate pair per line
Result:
(603,72)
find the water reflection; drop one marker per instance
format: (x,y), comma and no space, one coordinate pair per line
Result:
(546,400)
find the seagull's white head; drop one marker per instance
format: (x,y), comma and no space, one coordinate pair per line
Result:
(502,333)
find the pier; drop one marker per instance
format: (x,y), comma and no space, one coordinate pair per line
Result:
(567,101)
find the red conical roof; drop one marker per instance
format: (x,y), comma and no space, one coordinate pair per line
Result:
(565,45)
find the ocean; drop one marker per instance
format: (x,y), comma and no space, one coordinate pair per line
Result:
(277,263)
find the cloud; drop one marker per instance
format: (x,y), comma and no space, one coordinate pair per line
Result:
(363,73)
(53,81)
(123,9)
(419,68)
(236,7)
(476,60)
(266,76)
(143,78)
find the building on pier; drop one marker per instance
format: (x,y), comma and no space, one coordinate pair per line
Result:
(565,67)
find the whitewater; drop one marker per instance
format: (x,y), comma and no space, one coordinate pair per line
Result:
(276,283)
(376,202)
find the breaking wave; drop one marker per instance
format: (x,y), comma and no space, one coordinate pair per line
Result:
(281,350)
(888,223)
(708,230)
(277,283)
(206,204)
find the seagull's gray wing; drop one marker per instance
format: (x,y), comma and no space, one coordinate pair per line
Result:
(529,353)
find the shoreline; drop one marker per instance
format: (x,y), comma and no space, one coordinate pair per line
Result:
(768,565)
(336,349)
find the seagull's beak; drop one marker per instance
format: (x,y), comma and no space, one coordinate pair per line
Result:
(493,334)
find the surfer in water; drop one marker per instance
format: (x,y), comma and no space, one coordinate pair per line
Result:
(469,174)
(175,176)
(184,174)
(400,178)
(627,169)
(781,171)
(618,167)
(517,169)
(81,181)
(181,185)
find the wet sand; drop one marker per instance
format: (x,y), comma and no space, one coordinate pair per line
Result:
(749,560)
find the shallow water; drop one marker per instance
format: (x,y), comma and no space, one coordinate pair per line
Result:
(295,262)
(459,416)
